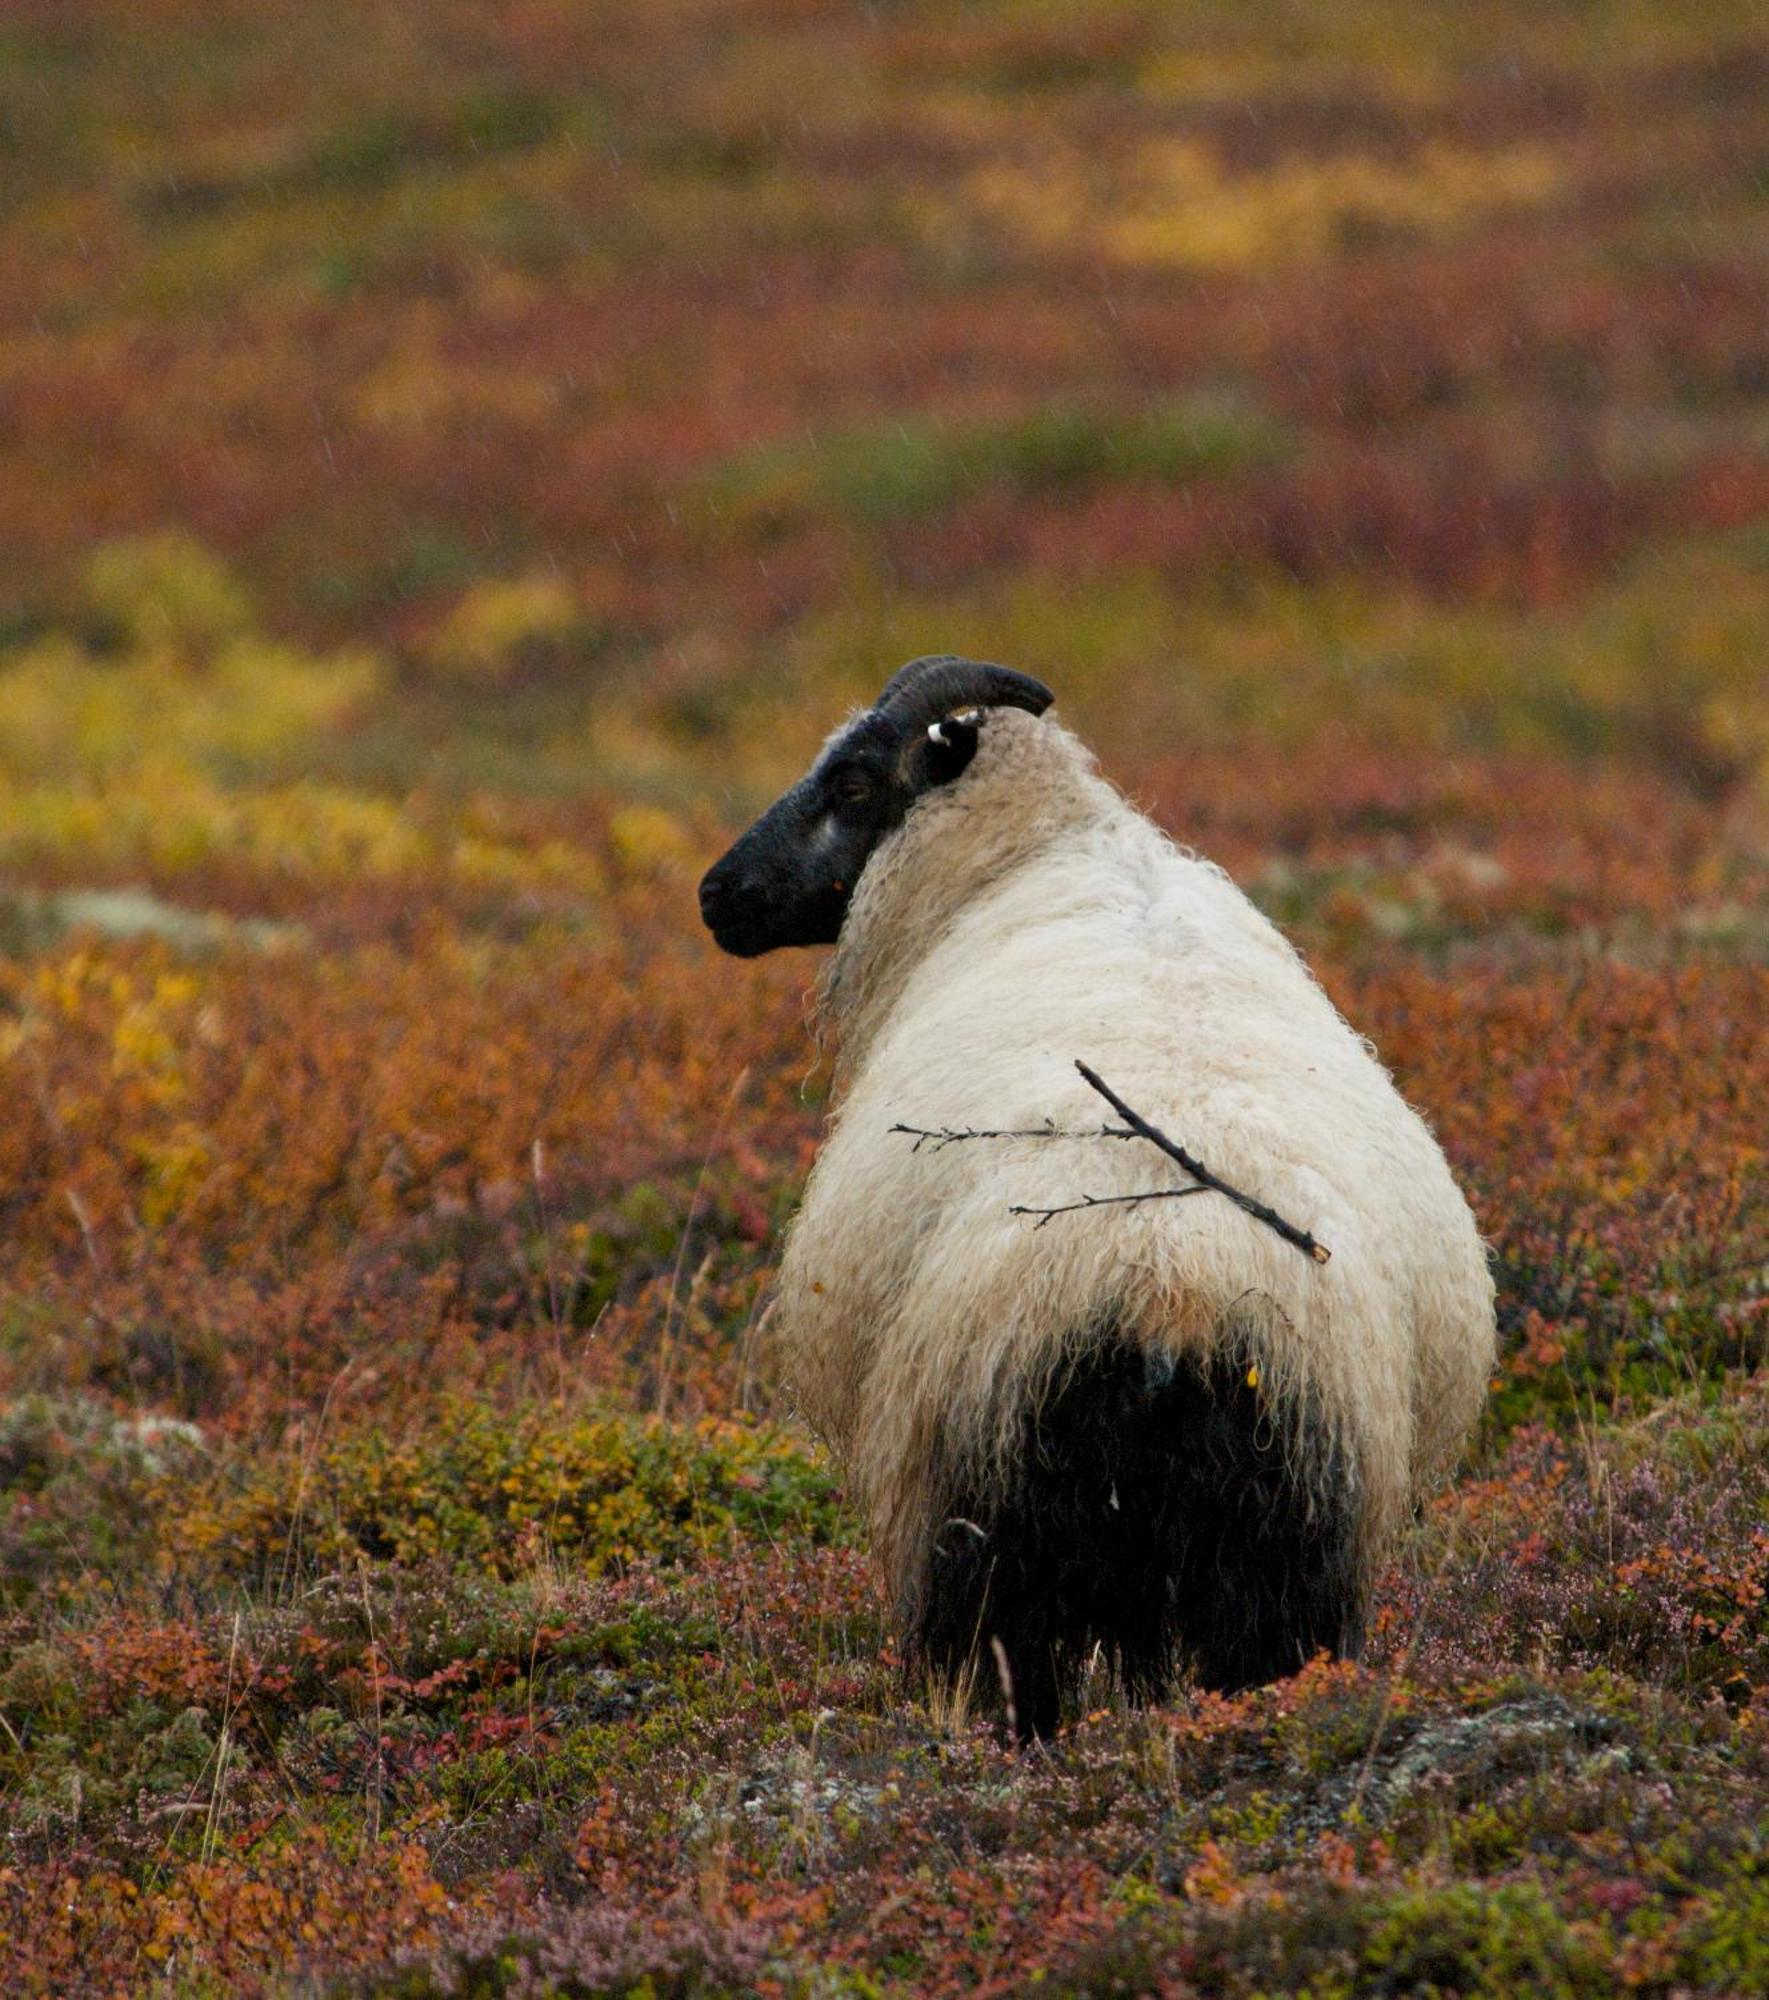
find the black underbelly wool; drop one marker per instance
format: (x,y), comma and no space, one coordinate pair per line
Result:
(1159,1515)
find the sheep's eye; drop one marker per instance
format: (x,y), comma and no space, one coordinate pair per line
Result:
(852,787)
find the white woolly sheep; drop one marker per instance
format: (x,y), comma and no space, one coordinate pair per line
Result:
(1154,1433)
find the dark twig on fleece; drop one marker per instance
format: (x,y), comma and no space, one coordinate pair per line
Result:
(1103,1201)
(1199,1172)
(938,1138)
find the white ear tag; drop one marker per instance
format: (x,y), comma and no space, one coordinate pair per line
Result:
(966,718)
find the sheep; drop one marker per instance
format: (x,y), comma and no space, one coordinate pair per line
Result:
(1153,1435)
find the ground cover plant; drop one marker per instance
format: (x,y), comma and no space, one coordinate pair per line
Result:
(455,463)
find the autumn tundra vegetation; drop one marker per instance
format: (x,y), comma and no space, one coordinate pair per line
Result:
(456,464)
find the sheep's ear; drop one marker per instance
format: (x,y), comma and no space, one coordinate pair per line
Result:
(949,746)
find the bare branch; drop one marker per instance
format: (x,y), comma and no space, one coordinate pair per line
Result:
(1135,1126)
(937,1138)
(1199,1172)
(1105,1201)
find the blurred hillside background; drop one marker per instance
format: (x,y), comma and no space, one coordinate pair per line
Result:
(456,462)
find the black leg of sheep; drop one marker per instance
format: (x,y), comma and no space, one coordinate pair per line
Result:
(1159,1515)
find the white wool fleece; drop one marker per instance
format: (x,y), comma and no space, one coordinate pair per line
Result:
(1020,918)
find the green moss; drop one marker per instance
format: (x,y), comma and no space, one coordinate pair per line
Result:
(1484,1837)
(79,1489)
(608,1489)
(1474,1940)
(374,151)
(1336,1729)
(919,466)
(175,1759)
(1727,1948)
(1255,1820)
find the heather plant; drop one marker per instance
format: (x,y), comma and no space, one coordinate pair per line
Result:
(458,464)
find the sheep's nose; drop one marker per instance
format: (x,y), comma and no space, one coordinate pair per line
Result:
(719,888)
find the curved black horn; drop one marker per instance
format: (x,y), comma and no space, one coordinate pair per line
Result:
(938,683)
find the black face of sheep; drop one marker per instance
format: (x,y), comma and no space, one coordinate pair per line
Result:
(789,879)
